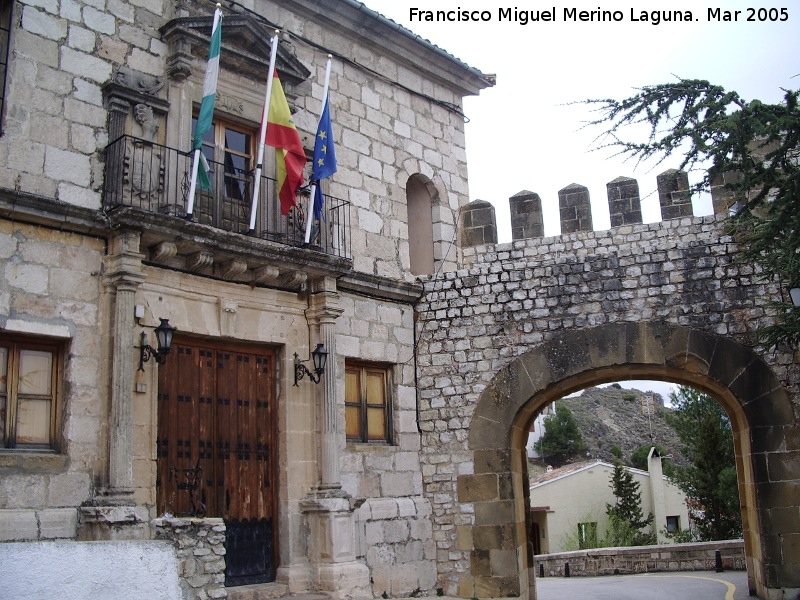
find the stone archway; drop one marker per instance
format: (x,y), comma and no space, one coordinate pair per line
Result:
(765,438)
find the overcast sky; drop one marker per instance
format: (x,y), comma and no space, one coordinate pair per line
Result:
(522,134)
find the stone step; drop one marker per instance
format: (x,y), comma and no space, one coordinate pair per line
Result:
(258,591)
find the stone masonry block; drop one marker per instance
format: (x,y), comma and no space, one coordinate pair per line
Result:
(396,531)
(477,488)
(85,65)
(503,562)
(99,21)
(40,23)
(18,525)
(406,507)
(58,523)
(397,484)
(382,508)
(494,537)
(63,165)
(405,579)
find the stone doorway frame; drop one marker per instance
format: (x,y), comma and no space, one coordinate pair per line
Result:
(761,412)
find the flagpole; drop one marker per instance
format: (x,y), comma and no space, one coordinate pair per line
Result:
(314,184)
(262,139)
(193,186)
(216,22)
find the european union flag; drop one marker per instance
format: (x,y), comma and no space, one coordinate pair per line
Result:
(324,156)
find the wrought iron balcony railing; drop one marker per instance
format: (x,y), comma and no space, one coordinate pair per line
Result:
(156,178)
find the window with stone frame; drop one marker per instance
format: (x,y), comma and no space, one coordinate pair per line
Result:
(6,11)
(29,386)
(368,403)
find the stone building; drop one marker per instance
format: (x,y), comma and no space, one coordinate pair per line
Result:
(221,449)
(400,471)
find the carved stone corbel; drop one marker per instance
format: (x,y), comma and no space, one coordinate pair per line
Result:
(163,252)
(266,275)
(199,260)
(294,280)
(233,268)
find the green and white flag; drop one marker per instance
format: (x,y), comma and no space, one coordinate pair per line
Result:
(206,115)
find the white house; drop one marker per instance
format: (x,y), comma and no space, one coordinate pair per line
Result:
(571,501)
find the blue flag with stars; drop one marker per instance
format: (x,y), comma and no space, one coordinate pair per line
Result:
(324,156)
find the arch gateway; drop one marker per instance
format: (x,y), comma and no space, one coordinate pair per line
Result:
(530,321)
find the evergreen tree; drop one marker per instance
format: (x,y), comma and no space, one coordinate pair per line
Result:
(626,519)
(752,146)
(561,439)
(710,481)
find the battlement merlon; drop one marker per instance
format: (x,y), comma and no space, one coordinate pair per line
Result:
(479,224)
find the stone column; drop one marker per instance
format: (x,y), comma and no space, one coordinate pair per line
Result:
(322,315)
(113,514)
(124,274)
(331,544)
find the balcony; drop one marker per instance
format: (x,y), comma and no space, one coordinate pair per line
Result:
(156,179)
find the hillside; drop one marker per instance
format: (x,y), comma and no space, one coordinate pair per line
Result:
(609,416)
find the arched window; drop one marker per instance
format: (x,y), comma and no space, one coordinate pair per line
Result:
(420,226)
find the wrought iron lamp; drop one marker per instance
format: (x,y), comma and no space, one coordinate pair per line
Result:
(164,333)
(319,357)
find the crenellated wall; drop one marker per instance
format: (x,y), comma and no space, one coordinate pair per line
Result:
(575,210)
(527,322)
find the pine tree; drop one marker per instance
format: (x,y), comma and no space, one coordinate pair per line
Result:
(626,519)
(561,439)
(710,482)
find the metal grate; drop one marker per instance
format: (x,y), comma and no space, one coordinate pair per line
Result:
(249,556)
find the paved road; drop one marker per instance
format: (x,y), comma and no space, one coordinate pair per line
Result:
(694,585)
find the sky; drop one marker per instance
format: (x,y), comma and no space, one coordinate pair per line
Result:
(528,133)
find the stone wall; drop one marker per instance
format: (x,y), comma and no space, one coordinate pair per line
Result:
(513,297)
(395,539)
(643,559)
(200,552)
(40,490)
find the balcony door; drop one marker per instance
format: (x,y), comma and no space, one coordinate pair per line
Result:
(216,451)
(230,150)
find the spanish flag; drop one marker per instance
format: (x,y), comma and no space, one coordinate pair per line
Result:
(290,158)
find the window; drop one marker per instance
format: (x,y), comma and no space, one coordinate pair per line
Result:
(673,524)
(28,393)
(587,535)
(235,145)
(6,7)
(367,403)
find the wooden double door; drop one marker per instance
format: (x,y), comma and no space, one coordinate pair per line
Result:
(216,448)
